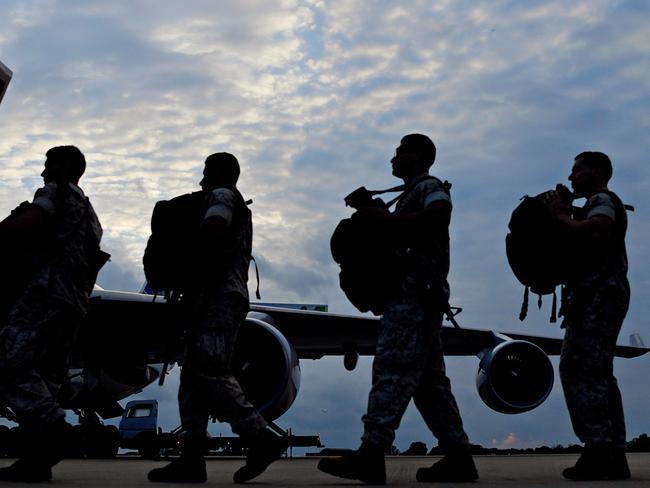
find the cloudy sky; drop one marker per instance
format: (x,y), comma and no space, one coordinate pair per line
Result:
(312,97)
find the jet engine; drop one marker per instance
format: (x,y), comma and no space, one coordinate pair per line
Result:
(515,376)
(266,366)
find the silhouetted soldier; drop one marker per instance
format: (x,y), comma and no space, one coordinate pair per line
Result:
(598,298)
(409,360)
(45,315)
(207,384)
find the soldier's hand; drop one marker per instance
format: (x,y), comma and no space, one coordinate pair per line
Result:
(372,215)
(555,204)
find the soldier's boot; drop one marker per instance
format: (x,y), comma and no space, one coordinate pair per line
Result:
(456,466)
(42,448)
(188,468)
(27,470)
(620,469)
(595,463)
(264,449)
(185,469)
(366,464)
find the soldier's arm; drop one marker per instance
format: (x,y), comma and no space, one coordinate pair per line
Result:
(31,219)
(598,227)
(218,215)
(214,227)
(35,215)
(435,216)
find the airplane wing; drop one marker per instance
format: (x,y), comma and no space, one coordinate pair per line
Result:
(317,334)
(126,335)
(134,323)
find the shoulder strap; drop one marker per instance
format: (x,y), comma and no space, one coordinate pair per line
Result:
(620,209)
(242,204)
(388,190)
(62,191)
(446,186)
(617,244)
(403,188)
(617,200)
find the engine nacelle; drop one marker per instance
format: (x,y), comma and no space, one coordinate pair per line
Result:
(514,377)
(266,366)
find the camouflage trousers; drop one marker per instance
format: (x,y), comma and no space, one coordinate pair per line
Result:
(409,363)
(587,366)
(207,384)
(35,344)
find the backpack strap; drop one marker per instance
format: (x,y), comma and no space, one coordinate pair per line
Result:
(524,304)
(620,223)
(404,189)
(553,318)
(619,206)
(257,276)
(372,193)
(241,203)
(62,192)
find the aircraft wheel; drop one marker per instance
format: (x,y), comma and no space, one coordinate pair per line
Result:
(103,442)
(148,445)
(4,440)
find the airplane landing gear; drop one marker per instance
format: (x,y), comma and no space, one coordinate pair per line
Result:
(93,439)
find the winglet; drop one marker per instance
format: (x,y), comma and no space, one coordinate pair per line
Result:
(146,289)
(636,340)
(5,78)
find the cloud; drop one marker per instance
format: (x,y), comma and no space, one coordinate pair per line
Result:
(509,441)
(114,276)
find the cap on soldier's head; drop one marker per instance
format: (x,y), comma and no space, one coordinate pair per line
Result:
(421,145)
(226,164)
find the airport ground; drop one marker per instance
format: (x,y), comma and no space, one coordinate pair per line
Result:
(495,471)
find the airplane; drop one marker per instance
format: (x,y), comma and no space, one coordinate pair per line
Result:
(126,340)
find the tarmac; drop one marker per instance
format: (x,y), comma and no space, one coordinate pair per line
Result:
(502,471)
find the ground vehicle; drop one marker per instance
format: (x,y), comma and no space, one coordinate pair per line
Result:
(139,431)
(139,427)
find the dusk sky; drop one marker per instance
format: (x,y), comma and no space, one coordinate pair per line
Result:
(313,97)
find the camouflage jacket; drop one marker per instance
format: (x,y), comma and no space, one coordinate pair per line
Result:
(428,251)
(602,264)
(226,203)
(68,274)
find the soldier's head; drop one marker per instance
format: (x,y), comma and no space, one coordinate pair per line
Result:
(415,155)
(220,169)
(64,164)
(591,172)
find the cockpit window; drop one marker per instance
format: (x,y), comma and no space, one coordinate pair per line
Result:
(139,412)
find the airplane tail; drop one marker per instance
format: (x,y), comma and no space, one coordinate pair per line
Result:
(636,340)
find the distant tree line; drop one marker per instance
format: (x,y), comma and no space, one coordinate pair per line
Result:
(418,448)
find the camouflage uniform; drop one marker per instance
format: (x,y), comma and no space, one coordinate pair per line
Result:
(41,326)
(599,299)
(409,360)
(207,384)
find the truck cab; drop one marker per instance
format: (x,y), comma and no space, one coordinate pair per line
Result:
(139,426)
